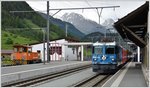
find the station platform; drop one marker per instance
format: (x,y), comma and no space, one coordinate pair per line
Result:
(131,75)
(22,72)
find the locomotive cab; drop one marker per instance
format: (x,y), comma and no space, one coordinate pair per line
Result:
(21,49)
(24,55)
(104,57)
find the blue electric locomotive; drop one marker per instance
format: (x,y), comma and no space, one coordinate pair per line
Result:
(106,57)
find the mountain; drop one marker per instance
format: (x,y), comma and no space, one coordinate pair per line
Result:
(108,23)
(93,37)
(84,25)
(62,24)
(27,26)
(8,39)
(97,36)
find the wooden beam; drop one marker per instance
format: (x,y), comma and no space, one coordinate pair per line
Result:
(137,26)
(137,32)
(133,34)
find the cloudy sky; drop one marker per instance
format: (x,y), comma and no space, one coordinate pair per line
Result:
(126,6)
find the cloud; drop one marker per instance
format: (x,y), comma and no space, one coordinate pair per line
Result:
(125,8)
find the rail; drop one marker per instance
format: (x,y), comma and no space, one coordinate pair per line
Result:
(93,81)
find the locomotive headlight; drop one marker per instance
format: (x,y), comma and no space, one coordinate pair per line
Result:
(95,59)
(104,57)
(113,59)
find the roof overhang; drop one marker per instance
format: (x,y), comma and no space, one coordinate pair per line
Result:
(134,25)
(104,43)
(77,44)
(27,46)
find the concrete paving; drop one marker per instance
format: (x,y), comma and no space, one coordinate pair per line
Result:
(130,75)
(18,68)
(14,73)
(69,80)
(134,77)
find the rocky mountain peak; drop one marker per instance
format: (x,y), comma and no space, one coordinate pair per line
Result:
(81,23)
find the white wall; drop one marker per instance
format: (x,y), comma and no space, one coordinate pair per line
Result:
(65,51)
(69,53)
(40,47)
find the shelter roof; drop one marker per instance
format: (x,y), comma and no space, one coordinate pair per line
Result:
(134,25)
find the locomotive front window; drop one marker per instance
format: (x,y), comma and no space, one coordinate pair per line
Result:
(15,49)
(110,50)
(20,50)
(29,50)
(24,49)
(98,50)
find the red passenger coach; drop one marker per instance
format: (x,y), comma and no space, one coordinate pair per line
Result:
(124,55)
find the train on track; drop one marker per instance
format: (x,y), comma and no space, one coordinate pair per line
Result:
(23,55)
(108,56)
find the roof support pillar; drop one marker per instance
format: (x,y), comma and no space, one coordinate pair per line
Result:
(77,52)
(81,52)
(138,52)
(63,53)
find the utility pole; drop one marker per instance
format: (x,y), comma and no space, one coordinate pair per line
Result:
(66,29)
(44,44)
(48,54)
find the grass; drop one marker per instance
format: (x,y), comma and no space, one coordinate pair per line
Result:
(87,52)
(30,23)
(54,35)
(15,38)
(7,61)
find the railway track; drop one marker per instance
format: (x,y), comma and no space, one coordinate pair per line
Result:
(93,81)
(49,77)
(96,80)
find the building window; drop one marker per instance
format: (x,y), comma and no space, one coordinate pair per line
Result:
(55,49)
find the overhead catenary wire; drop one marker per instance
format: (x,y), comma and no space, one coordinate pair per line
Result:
(99,14)
(60,9)
(25,28)
(66,9)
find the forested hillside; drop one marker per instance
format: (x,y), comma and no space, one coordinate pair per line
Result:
(25,24)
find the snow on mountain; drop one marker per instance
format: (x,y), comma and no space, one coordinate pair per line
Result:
(82,24)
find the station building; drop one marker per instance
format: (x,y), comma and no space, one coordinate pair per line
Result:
(58,51)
